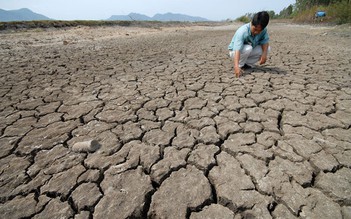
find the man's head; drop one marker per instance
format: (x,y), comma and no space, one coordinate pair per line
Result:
(259,22)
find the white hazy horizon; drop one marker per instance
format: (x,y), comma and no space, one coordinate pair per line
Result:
(103,9)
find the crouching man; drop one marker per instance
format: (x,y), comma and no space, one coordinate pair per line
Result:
(250,43)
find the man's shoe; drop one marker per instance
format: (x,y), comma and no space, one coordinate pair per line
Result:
(246,67)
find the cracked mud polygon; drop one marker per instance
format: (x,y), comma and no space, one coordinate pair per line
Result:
(178,135)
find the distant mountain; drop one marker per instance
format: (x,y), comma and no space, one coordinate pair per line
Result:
(157,17)
(23,14)
(176,17)
(130,17)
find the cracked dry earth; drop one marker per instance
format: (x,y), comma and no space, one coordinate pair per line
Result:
(116,122)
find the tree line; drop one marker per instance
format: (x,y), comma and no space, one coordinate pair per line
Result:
(338,11)
(307,4)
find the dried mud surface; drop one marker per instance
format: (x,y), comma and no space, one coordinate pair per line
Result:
(128,122)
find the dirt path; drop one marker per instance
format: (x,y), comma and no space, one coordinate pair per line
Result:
(120,122)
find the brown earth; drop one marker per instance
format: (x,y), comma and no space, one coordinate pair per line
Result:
(137,122)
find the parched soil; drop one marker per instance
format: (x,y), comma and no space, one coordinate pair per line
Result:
(150,122)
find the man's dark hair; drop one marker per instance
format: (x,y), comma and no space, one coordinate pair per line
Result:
(261,18)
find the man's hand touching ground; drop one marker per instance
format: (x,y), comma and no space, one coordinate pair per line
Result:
(238,71)
(263,59)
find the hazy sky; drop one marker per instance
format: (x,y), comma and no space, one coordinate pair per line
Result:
(103,9)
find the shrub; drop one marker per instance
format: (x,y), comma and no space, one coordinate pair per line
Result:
(341,12)
(243,19)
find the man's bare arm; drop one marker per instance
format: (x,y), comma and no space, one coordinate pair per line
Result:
(264,53)
(237,69)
